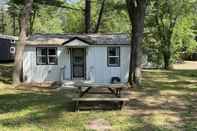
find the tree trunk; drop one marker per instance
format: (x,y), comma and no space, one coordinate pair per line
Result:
(14,24)
(87,15)
(136,10)
(19,24)
(17,74)
(2,27)
(166,58)
(31,22)
(99,17)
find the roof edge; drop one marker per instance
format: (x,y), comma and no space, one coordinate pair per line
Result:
(77,38)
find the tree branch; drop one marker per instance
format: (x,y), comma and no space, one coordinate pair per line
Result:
(100,16)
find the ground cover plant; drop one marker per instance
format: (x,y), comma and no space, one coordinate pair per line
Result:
(167,101)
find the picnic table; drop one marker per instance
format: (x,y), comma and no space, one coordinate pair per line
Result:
(113,89)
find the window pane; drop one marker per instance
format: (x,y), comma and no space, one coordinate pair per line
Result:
(41,51)
(12,50)
(41,60)
(46,56)
(52,60)
(52,51)
(112,51)
(114,61)
(113,56)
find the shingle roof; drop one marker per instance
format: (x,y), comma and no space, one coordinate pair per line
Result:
(8,37)
(95,39)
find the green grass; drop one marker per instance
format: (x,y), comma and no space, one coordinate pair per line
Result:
(167,101)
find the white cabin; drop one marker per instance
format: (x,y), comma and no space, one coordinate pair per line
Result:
(94,57)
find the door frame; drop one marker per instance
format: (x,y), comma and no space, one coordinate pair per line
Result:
(71,63)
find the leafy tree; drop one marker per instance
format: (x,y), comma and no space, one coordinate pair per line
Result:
(99,17)
(87,16)
(25,13)
(114,14)
(183,37)
(136,10)
(164,17)
(15,7)
(48,19)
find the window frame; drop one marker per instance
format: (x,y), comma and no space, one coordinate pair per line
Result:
(47,55)
(108,57)
(12,50)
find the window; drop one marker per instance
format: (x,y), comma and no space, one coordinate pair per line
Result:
(113,54)
(12,50)
(46,56)
(52,56)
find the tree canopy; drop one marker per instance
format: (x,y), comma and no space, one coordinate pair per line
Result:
(170,26)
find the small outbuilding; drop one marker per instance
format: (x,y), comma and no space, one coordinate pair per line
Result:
(99,58)
(7,47)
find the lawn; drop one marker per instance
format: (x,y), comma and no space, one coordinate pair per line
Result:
(167,101)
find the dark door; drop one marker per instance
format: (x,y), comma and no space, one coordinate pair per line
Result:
(78,63)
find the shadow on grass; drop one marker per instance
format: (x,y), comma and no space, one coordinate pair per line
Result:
(6,73)
(182,100)
(171,80)
(147,126)
(170,74)
(41,106)
(177,85)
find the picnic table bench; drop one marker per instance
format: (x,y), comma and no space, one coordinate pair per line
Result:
(114,89)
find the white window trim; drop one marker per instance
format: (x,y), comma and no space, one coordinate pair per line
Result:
(116,56)
(47,56)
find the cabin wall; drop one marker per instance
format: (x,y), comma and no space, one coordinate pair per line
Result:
(5,54)
(39,73)
(97,68)
(96,65)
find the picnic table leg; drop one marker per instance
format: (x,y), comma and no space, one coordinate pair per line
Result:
(118,92)
(80,90)
(84,92)
(76,107)
(113,92)
(122,103)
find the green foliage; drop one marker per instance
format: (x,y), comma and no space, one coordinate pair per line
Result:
(115,18)
(57,16)
(169,28)
(73,20)
(183,38)
(30,108)
(48,21)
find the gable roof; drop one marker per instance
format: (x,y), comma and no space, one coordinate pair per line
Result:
(66,43)
(91,39)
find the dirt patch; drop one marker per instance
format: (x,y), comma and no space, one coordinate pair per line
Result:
(99,125)
(190,65)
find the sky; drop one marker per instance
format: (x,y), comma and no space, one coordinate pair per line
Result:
(3,3)
(72,1)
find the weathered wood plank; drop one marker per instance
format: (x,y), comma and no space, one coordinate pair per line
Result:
(100,99)
(101,85)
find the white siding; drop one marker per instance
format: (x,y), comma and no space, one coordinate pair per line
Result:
(96,65)
(90,68)
(39,73)
(66,64)
(97,68)
(27,64)
(124,63)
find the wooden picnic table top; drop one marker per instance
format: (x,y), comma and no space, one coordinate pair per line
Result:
(100,99)
(102,85)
